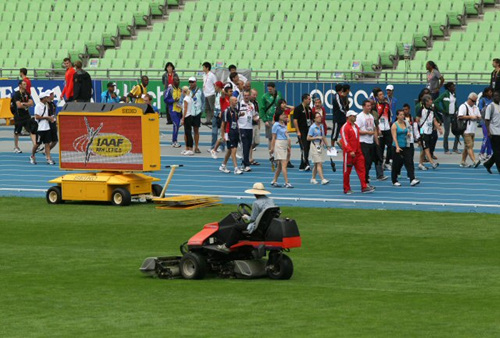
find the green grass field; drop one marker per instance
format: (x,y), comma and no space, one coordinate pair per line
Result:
(72,270)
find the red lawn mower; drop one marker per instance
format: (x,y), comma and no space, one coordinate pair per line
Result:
(245,259)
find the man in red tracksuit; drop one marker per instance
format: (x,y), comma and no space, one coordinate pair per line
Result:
(67,92)
(353,156)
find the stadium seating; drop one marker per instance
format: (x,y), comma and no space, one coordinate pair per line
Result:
(47,31)
(291,35)
(469,51)
(296,35)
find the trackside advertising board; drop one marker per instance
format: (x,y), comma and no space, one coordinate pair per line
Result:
(124,139)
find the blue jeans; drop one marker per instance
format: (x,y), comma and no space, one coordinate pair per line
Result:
(176,121)
(215,134)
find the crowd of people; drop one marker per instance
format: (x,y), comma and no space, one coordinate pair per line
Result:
(381,135)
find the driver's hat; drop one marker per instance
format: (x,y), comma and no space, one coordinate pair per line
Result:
(258,189)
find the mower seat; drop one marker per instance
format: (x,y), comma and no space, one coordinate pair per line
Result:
(264,220)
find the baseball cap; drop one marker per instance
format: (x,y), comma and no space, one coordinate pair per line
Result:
(44,94)
(389,87)
(219,84)
(111,84)
(351,113)
(192,79)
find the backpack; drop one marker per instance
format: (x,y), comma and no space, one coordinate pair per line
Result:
(458,126)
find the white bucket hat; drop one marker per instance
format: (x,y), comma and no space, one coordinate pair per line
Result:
(258,189)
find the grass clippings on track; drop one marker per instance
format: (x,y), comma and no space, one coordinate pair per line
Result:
(72,270)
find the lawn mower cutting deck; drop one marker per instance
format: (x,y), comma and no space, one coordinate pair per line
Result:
(245,259)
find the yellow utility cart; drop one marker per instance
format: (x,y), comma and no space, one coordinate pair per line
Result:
(117,142)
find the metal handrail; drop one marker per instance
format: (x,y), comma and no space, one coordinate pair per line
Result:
(266,75)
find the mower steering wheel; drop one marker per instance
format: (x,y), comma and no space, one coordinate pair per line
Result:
(244,209)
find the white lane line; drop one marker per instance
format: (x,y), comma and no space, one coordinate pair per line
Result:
(298,199)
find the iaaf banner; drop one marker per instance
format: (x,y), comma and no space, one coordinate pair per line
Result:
(404,93)
(8,87)
(100,142)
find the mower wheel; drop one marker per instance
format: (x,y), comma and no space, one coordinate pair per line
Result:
(121,197)
(279,266)
(193,266)
(54,195)
(156,190)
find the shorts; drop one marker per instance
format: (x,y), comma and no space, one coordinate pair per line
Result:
(18,126)
(317,156)
(269,131)
(43,137)
(281,150)
(233,141)
(53,132)
(256,136)
(469,141)
(196,121)
(425,141)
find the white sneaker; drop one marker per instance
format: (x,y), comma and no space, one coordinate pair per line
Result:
(224,169)
(313,181)
(325,181)
(18,151)
(387,167)
(465,165)
(396,184)
(189,153)
(435,165)
(176,145)
(422,167)
(238,156)
(247,169)
(32,160)
(414,182)
(237,171)
(183,152)
(213,154)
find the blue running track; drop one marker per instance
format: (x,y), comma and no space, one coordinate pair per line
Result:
(449,188)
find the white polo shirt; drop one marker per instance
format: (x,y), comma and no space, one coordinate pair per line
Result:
(365,122)
(465,110)
(247,113)
(493,115)
(428,117)
(42,110)
(209,80)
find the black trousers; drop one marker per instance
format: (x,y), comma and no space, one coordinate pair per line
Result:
(386,141)
(405,157)
(246,143)
(434,139)
(305,145)
(236,234)
(188,131)
(371,155)
(495,158)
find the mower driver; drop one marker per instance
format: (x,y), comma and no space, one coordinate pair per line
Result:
(261,203)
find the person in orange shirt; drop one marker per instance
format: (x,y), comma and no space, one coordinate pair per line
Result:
(67,92)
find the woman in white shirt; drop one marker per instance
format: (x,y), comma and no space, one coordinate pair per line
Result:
(187,121)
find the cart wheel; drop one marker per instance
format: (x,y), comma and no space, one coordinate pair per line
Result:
(121,197)
(279,266)
(193,266)
(54,195)
(156,189)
